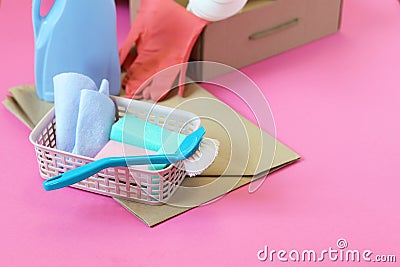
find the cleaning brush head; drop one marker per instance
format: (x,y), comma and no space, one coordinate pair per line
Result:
(203,157)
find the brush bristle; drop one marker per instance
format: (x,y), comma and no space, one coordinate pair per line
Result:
(203,157)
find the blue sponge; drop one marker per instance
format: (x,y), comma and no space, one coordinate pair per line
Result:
(136,132)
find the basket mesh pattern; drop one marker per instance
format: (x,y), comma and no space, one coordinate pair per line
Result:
(150,187)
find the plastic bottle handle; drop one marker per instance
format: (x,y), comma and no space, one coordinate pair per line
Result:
(37,19)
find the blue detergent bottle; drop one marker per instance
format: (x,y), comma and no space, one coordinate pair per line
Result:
(76,36)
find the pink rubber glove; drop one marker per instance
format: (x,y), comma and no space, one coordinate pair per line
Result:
(163,35)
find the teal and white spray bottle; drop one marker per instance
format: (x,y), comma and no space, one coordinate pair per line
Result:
(75,36)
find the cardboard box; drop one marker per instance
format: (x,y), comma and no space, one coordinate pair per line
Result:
(262,29)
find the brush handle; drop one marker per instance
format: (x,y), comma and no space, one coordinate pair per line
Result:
(186,149)
(78,174)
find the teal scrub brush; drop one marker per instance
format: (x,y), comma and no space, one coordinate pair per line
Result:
(190,150)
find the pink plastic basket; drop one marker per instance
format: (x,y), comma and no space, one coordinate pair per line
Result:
(146,186)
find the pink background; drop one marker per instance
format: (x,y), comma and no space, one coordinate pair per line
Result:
(335,101)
